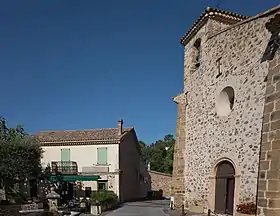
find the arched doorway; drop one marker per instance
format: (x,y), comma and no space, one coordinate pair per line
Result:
(224,192)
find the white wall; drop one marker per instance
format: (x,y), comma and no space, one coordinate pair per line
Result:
(84,155)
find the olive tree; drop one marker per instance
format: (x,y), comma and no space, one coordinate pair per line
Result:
(20,155)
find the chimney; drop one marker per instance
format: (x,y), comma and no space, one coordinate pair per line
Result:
(120,127)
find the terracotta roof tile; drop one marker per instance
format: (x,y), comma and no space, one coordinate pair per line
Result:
(211,12)
(80,135)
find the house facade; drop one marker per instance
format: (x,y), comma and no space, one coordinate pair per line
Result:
(99,159)
(226,151)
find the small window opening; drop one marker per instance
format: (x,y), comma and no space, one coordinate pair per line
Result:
(197,46)
(225,101)
(102,185)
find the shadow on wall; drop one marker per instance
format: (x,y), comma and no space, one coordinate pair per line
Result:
(150,184)
(160,185)
(274,41)
(145,181)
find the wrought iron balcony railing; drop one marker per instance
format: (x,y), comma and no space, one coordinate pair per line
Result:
(64,167)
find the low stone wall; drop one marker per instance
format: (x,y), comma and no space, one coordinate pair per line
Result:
(161,181)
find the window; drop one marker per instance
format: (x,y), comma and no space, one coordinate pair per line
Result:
(102,185)
(65,155)
(197,52)
(65,160)
(225,101)
(102,156)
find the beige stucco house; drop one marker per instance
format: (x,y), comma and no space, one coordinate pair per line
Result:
(227,150)
(109,154)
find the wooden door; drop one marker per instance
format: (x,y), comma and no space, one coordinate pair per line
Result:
(230,195)
(224,193)
(220,195)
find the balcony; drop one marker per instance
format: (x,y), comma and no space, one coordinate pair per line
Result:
(64,167)
(95,169)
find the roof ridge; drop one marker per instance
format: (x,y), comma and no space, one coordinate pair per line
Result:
(93,129)
(206,14)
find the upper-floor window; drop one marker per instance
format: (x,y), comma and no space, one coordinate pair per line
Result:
(65,155)
(102,156)
(65,160)
(197,52)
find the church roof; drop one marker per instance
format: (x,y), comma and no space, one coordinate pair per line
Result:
(221,15)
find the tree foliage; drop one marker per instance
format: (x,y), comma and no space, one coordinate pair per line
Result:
(20,154)
(159,154)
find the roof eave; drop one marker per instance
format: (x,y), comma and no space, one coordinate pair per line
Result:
(213,14)
(79,142)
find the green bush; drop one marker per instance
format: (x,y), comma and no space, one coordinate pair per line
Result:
(104,197)
(18,196)
(247,208)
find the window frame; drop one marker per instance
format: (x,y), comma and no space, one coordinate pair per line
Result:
(98,162)
(100,182)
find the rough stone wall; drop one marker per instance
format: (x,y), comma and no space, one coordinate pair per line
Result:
(209,137)
(178,179)
(178,176)
(269,175)
(210,28)
(161,181)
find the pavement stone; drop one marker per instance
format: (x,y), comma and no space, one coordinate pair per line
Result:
(143,208)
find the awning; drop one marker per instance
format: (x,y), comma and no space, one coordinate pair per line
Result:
(73,178)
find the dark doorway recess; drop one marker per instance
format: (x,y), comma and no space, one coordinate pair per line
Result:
(225,183)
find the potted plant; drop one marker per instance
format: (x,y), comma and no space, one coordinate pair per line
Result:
(245,209)
(102,201)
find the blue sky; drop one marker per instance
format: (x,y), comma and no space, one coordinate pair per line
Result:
(85,64)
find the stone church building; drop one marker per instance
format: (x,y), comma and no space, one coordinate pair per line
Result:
(227,151)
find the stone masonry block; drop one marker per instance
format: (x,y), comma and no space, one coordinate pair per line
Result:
(265,137)
(269,90)
(263,155)
(266,127)
(262,202)
(274,135)
(261,194)
(273,185)
(274,203)
(275,115)
(272,194)
(275,125)
(274,71)
(272,63)
(277,105)
(273,174)
(276,78)
(271,212)
(274,165)
(272,97)
(262,185)
(276,145)
(266,117)
(266,146)
(278,86)
(264,165)
(262,174)
(273,155)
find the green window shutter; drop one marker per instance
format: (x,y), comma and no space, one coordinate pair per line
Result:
(65,154)
(101,155)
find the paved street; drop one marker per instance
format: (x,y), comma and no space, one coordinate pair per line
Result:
(145,208)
